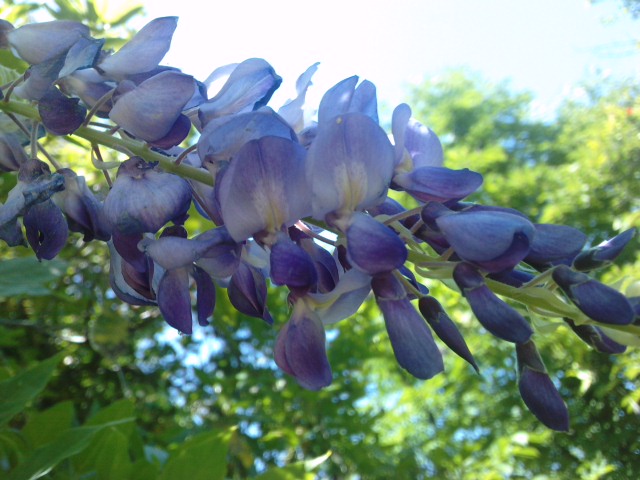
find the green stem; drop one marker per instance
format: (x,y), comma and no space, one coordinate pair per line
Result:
(125,145)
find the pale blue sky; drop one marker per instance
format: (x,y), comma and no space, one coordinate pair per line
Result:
(545,46)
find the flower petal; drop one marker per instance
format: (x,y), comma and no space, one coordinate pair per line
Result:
(174,300)
(494,241)
(249,87)
(150,110)
(596,300)
(264,188)
(446,330)
(494,314)
(144,51)
(373,247)
(349,165)
(538,391)
(439,184)
(412,342)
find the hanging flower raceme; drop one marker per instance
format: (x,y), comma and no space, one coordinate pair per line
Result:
(297,204)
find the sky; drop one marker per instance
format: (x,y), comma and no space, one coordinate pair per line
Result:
(542,46)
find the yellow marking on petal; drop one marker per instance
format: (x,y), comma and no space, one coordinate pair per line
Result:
(269,202)
(351,183)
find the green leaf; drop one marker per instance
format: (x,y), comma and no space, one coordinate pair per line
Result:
(16,392)
(21,277)
(295,471)
(96,456)
(201,457)
(45,458)
(44,427)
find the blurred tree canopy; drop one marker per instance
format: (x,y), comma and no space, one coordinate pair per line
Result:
(93,388)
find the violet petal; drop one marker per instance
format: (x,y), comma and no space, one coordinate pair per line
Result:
(205,295)
(445,329)
(596,300)
(494,314)
(373,247)
(174,300)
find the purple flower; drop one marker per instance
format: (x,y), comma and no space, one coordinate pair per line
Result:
(152,111)
(176,255)
(143,52)
(349,165)
(411,339)
(446,330)
(223,137)
(300,349)
(494,314)
(596,338)
(38,42)
(538,391)
(603,254)
(80,206)
(494,241)
(345,97)
(264,189)
(248,88)
(596,300)
(144,198)
(373,247)
(247,292)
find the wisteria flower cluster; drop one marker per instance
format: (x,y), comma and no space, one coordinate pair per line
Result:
(307,206)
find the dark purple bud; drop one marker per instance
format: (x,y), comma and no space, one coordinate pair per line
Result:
(248,292)
(205,295)
(554,243)
(248,88)
(46,229)
(445,329)
(494,241)
(515,278)
(596,338)
(81,207)
(494,314)
(438,184)
(325,264)
(596,300)
(144,198)
(293,267)
(143,52)
(538,391)
(411,339)
(373,247)
(174,299)
(300,349)
(603,254)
